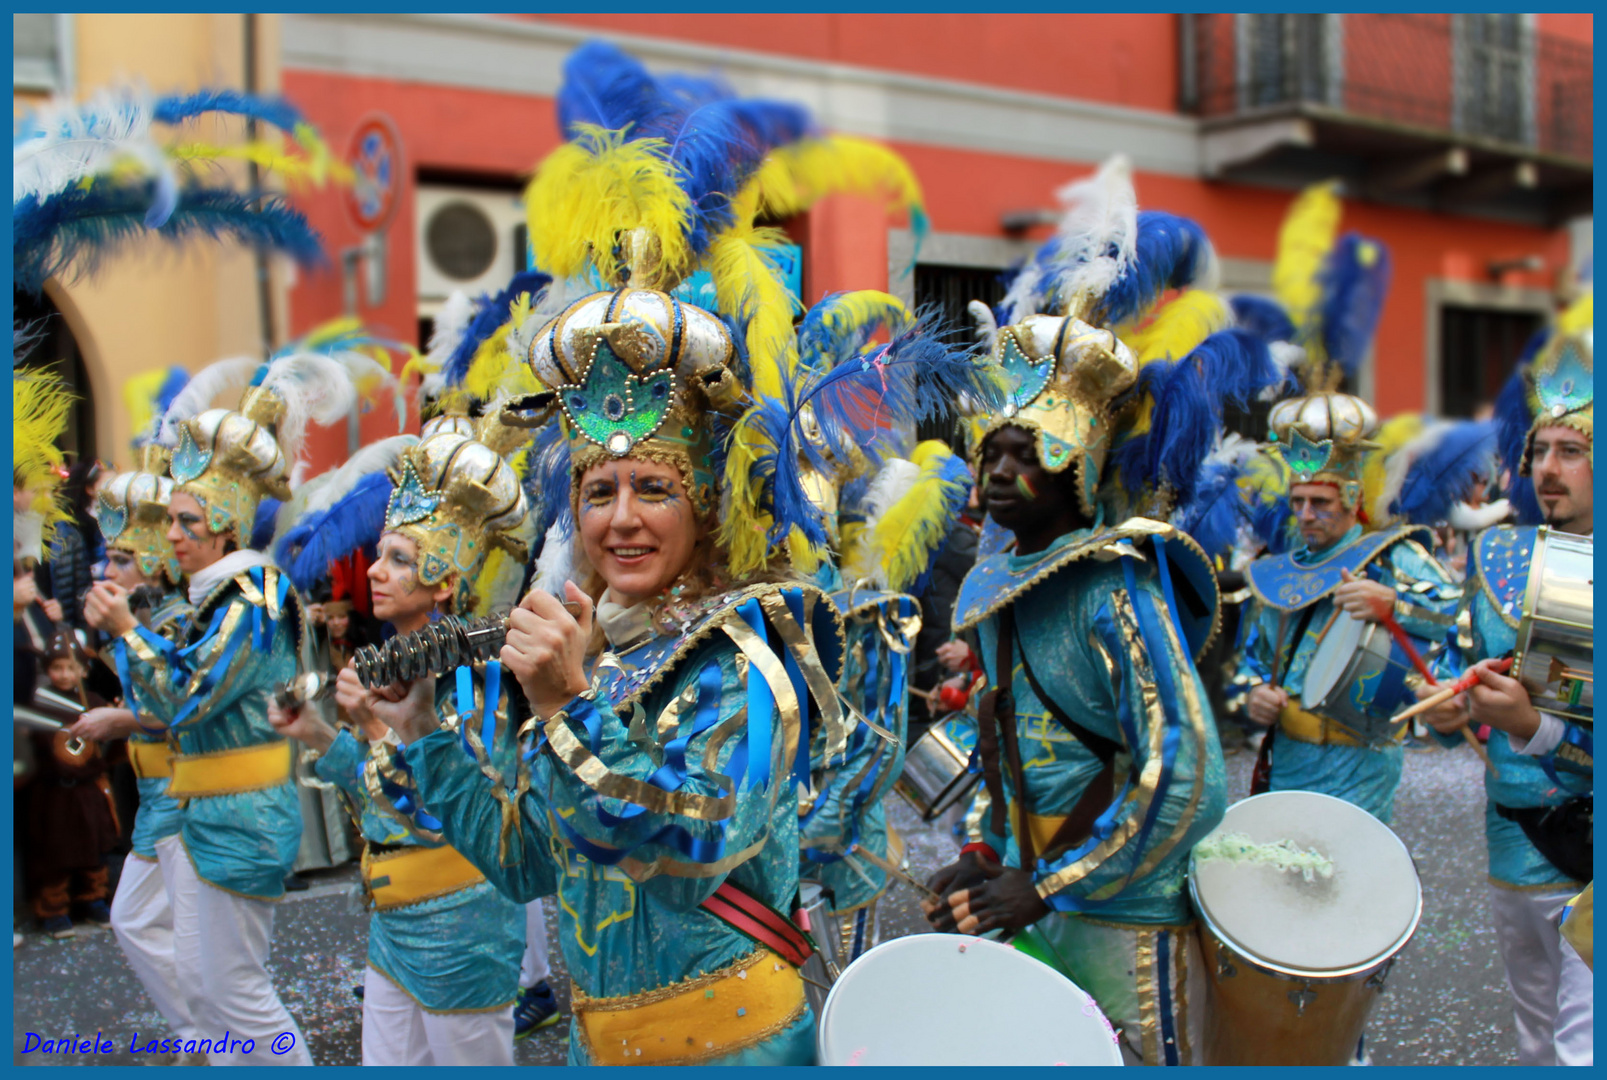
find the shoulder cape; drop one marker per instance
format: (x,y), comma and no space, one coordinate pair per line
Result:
(993,584)
(1281,583)
(1500,563)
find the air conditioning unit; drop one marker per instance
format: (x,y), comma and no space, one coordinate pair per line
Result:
(469,239)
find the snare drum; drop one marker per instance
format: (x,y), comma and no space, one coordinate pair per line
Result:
(935,776)
(889,1008)
(1554,654)
(1357,676)
(1295,966)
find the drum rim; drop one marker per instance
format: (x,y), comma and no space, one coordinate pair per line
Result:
(1523,640)
(1228,941)
(953,790)
(970,942)
(1363,639)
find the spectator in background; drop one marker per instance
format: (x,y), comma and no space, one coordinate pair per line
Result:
(77,546)
(937,617)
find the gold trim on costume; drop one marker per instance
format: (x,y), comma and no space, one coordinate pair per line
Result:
(1149,1013)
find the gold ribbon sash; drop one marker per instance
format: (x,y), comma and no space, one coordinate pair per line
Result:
(415,874)
(698,1020)
(229,772)
(151,760)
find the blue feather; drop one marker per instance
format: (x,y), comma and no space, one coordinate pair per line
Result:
(262,524)
(1443,475)
(1355,281)
(177,379)
(549,480)
(1262,317)
(1274,525)
(1213,516)
(490,312)
(605,86)
(1513,420)
(1170,252)
(68,235)
(355,522)
(177,108)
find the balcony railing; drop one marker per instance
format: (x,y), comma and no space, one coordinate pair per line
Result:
(1485,78)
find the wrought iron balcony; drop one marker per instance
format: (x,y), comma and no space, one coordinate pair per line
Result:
(1462,113)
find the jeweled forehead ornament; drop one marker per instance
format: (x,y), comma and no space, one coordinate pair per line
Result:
(611,405)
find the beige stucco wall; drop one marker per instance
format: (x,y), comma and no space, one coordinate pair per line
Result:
(154,305)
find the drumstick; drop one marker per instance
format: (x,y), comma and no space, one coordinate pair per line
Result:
(878,861)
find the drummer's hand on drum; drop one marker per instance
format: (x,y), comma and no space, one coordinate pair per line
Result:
(1502,702)
(1007,901)
(104,724)
(1265,703)
(961,874)
(1367,600)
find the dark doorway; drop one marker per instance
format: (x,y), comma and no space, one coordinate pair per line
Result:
(1479,347)
(947,290)
(49,344)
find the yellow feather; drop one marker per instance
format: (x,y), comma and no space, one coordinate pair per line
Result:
(494,368)
(1579,317)
(863,308)
(909,531)
(587,191)
(1307,235)
(40,404)
(1264,477)
(744,527)
(748,288)
(1178,328)
(794,178)
(1391,436)
(266,155)
(139,397)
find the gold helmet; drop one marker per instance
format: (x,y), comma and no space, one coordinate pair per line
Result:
(131,510)
(1325,438)
(230,461)
(1561,390)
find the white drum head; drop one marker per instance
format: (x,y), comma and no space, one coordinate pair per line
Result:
(895,1006)
(1331,658)
(1328,926)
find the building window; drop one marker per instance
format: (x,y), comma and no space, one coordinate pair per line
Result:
(1495,77)
(1479,347)
(948,290)
(1288,59)
(41,53)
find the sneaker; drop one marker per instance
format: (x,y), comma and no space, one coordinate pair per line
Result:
(99,913)
(536,1008)
(295,883)
(357,991)
(59,927)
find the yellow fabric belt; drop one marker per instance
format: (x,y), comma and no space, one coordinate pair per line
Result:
(399,878)
(1042,826)
(151,760)
(693,1021)
(1307,727)
(229,772)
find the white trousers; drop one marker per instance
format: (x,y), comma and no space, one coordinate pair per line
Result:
(1528,936)
(399,1031)
(221,945)
(142,919)
(534,968)
(1576,1011)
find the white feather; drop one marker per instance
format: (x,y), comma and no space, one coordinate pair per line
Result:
(328,488)
(1232,449)
(987,327)
(1475,518)
(223,376)
(315,389)
(545,306)
(1096,241)
(63,143)
(891,483)
(556,564)
(451,322)
(1288,357)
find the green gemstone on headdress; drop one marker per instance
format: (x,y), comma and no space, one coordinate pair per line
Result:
(613,407)
(1027,378)
(410,501)
(189,460)
(1304,457)
(1563,385)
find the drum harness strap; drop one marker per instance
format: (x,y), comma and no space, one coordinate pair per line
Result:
(753,918)
(999,707)
(1261,774)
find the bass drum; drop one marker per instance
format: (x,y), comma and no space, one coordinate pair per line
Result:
(896,1006)
(1296,957)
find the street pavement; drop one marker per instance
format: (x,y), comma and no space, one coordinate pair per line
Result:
(1445,1001)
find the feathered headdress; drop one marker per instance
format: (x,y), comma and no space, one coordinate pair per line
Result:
(1097,372)
(230,460)
(40,405)
(664,176)
(89,179)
